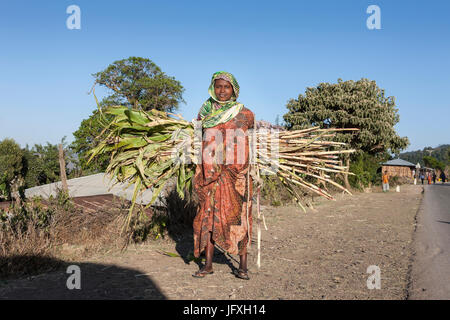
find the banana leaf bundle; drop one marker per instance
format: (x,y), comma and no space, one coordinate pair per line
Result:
(146,150)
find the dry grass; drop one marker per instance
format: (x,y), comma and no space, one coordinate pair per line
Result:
(33,236)
(19,249)
(38,236)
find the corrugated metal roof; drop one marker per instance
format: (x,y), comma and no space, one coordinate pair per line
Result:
(398,162)
(96,184)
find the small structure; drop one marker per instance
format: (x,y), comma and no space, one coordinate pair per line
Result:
(399,168)
(98,184)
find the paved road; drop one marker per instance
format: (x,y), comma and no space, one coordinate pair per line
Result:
(430,274)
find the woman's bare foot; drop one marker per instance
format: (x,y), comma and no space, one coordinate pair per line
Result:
(203,272)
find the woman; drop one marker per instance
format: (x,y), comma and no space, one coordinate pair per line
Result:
(222,181)
(443,177)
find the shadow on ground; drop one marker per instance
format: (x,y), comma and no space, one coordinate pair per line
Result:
(185,245)
(181,216)
(97,281)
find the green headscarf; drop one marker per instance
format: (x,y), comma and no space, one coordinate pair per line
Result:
(214,111)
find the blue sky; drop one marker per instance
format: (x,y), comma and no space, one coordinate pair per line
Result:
(276,49)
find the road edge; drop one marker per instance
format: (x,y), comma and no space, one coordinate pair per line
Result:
(412,258)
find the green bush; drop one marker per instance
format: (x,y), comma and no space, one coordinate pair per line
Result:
(434,163)
(17,218)
(11,166)
(273,191)
(394,181)
(367,171)
(148,226)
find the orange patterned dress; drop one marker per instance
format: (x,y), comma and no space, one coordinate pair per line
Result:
(222,187)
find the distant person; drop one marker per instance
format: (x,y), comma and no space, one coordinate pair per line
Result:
(385,182)
(429,178)
(434,177)
(422,177)
(443,177)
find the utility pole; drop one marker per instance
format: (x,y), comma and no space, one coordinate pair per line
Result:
(62,167)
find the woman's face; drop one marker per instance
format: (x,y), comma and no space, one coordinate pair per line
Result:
(223,90)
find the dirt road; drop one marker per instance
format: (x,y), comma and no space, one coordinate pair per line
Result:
(314,255)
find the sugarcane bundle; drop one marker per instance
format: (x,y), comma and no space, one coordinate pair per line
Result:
(294,155)
(149,148)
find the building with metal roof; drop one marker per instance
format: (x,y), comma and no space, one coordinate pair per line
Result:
(399,168)
(399,162)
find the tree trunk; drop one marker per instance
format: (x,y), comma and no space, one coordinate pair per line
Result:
(15,186)
(347,184)
(62,167)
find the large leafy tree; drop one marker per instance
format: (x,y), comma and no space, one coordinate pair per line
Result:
(350,104)
(134,82)
(140,83)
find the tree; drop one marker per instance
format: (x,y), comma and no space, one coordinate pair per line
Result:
(350,104)
(366,170)
(42,164)
(84,141)
(139,83)
(135,82)
(434,163)
(26,168)
(440,153)
(11,166)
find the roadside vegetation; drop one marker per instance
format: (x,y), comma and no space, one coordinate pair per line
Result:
(59,230)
